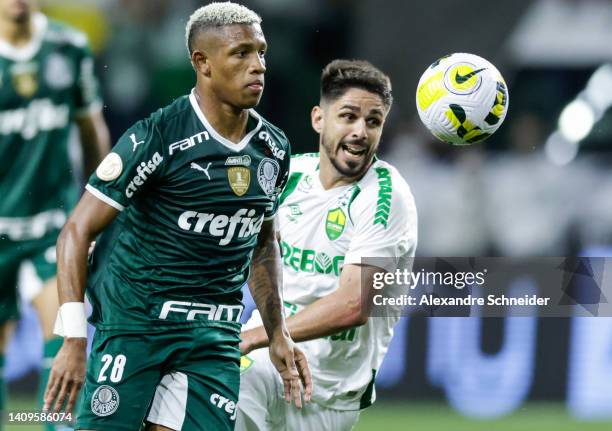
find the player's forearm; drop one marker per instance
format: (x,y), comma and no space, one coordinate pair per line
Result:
(342,309)
(265,282)
(326,316)
(72,247)
(88,219)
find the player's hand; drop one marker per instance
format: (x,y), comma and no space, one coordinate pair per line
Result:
(293,368)
(67,375)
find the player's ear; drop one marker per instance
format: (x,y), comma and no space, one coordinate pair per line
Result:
(316,119)
(200,62)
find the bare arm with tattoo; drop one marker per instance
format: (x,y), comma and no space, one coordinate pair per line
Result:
(265,284)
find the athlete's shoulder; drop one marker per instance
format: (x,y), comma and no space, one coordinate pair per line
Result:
(384,176)
(153,130)
(169,113)
(267,126)
(173,118)
(60,33)
(274,135)
(384,191)
(304,162)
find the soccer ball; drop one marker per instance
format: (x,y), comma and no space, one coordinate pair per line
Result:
(462,99)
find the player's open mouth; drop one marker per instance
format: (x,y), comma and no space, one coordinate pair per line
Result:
(353,150)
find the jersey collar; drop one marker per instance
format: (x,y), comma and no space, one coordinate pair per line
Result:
(224,141)
(29,50)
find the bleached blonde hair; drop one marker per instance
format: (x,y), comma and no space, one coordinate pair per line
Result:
(217,14)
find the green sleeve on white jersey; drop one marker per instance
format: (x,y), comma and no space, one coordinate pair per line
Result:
(134,164)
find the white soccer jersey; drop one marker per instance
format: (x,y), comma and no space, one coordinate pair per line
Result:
(322,230)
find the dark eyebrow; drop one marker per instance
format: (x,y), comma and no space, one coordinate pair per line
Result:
(249,45)
(351,108)
(354,108)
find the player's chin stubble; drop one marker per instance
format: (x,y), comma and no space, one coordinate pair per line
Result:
(348,169)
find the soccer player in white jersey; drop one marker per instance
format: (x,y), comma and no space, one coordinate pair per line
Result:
(339,206)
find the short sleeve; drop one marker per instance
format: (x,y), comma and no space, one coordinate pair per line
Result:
(135,162)
(384,232)
(281,181)
(87,97)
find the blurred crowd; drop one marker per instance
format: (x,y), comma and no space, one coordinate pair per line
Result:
(509,202)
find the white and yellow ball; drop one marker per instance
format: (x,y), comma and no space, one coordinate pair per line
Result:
(462,99)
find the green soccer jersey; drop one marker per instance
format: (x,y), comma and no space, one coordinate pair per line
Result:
(44,85)
(192,205)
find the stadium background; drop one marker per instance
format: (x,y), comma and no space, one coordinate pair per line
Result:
(539,187)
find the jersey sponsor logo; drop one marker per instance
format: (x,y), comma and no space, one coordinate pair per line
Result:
(267,173)
(334,223)
(58,72)
(104,401)
(239,179)
(225,404)
(25,80)
(310,261)
(201,169)
(187,143)
(242,224)
(41,115)
(135,142)
(110,168)
(276,151)
(142,170)
(238,161)
(195,310)
(383,204)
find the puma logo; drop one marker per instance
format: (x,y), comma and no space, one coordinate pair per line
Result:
(200,168)
(136,143)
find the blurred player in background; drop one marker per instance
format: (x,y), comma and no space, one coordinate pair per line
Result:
(47,85)
(339,205)
(185,202)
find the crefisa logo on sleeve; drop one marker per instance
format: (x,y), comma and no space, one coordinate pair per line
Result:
(104,401)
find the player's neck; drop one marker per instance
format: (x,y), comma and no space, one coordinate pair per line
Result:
(16,33)
(331,178)
(229,121)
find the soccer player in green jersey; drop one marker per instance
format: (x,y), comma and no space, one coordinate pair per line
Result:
(47,85)
(185,204)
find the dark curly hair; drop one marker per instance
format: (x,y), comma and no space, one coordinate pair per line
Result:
(340,75)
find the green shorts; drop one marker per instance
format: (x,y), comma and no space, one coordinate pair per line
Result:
(24,265)
(184,379)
